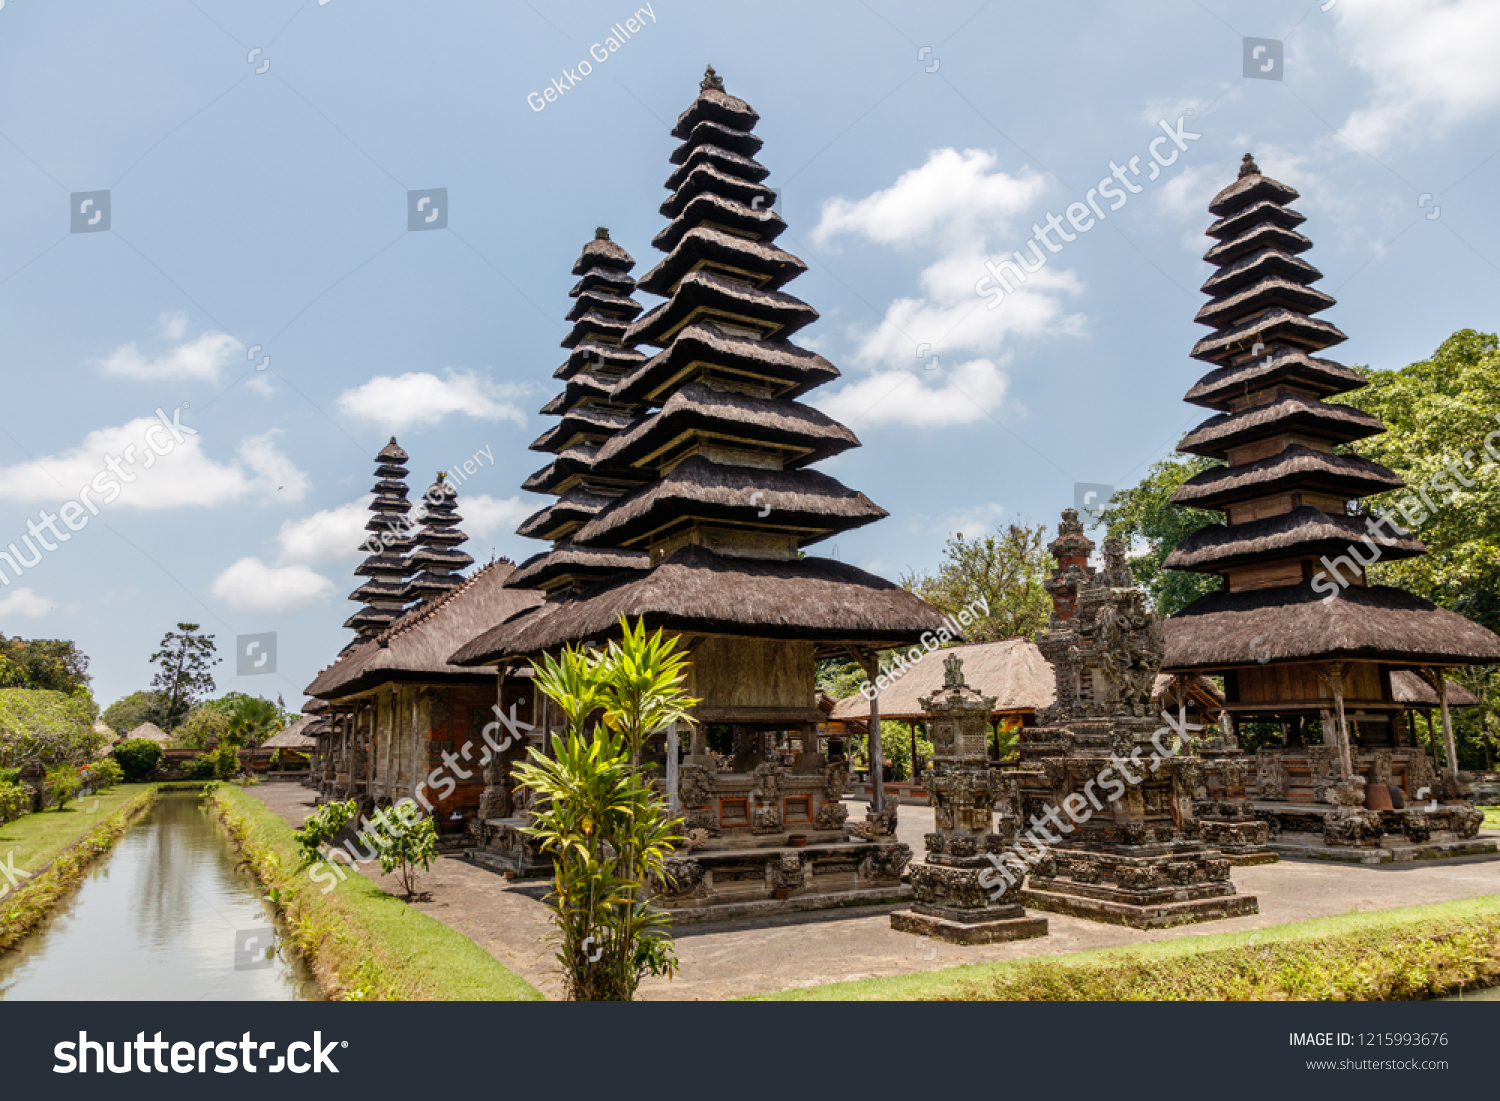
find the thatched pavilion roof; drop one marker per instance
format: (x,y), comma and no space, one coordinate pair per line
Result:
(1410,688)
(416,647)
(697,591)
(1012,670)
(150,732)
(295,736)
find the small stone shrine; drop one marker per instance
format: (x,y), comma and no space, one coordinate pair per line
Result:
(952,902)
(1111,778)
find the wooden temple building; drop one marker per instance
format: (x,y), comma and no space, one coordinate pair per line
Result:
(686,494)
(1299,635)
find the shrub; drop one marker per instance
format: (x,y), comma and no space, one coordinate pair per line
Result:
(200,767)
(105,773)
(226,762)
(138,758)
(63,783)
(323,825)
(405,843)
(15,800)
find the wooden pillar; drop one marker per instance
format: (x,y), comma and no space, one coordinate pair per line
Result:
(1450,750)
(913,724)
(871,666)
(1336,683)
(673,773)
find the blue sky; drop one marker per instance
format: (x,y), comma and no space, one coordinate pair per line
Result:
(266,204)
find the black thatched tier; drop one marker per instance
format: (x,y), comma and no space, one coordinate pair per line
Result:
(715,105)
(611,279)
(607,303)
(604,253)
(1270,293)
(808,504)
(736,164)
(1262,236)
(763,224)
(700,414)
(581,387)
(1301,533)
(428,586)
(1292,623)
(1257,266)
(767,266)
(1254,214)
(581,566)
(378,590)
(696,590)
(1222,385)
(708,132)
(707,178)
(568,513)
(377,565)
(1291,413)
(702,295)
(598,357)
(391,454)
(594,325)
(1248,189)
(571,468)
(442,558)
(1276,326)
(372,619)
(586,424)
(1297,468)
(387,470)
(704,351)
(390,487)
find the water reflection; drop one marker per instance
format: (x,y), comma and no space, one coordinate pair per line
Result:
(164,917)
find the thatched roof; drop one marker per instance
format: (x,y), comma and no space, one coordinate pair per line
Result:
(706,177)
(742,166)
(1255,267)
(599,357)
(315,707)
(1263,235)
(807,501)
(704,349)
(1302,532)
(1222,385)
(416,648)
(1201,693)
(761,222)
(715,105)
(1411,688)
(565,560)
(1277,326)
(711,247)
(712,133)
(1012,670)
(1288,413)
(702,294)
(294,736)
(150,732)
(698,591)
(1297,467)
(1292,623)
(1264,294)
(1249,188)
(602,252)
(1232,225)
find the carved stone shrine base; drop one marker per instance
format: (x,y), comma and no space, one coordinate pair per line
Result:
(1353,835)
(1155,887)
(988,925)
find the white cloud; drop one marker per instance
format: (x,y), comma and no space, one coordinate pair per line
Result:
(199,359)
(976,522)
(184,477)
(1432,64)
(325,536)
(251,586)
(24,602)
(965,393)
(936,357)
(485,515)
(398,402)
(952,194)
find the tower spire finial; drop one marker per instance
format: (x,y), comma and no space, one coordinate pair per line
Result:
(711,81)
(601,234)
(1248,167)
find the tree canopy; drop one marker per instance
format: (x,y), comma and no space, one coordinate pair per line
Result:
(1005,568)
(184,662)
(47,728)
(48,664)
(128,712)
(1152,526)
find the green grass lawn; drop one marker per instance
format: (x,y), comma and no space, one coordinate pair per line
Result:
(38,838)
(1491,818)
(362,943)
(1418,952)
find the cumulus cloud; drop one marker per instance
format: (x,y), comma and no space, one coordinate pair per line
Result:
(143,478)
(1432,64)
(936,357)
(252,586)
(200,359)
(325,536)
(484,515)
(24,602)
(399,402)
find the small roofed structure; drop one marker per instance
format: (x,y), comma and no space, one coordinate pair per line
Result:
(150,732)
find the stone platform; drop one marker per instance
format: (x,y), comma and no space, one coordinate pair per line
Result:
(1389,850)
(1316,831)
(996,924)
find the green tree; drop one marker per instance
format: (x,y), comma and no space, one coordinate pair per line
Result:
(47,728)
(47,664)
(252,720)
(1004,569)
(63,783)
(1144,517)
(183,673)
(137,758)
(128,712)
(407,843)
(203,725)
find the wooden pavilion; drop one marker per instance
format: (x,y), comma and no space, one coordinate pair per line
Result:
(1299,635)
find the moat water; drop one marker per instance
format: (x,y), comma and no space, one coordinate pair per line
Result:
(167,915)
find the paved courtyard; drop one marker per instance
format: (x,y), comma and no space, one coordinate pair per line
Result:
(733,959)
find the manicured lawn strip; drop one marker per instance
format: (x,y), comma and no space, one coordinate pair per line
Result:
(38,838)
(360,942)
(24,909)
(1491,818)
(1416,952)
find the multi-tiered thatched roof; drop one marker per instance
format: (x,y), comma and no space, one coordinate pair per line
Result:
(1283,489)
(718,450)
(437,554)
(386,566)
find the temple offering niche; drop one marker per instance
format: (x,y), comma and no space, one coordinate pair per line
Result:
(1115,782)
(955,899)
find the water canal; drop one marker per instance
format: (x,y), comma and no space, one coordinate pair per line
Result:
(165,916)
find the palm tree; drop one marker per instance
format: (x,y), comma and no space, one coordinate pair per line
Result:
(252,720)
